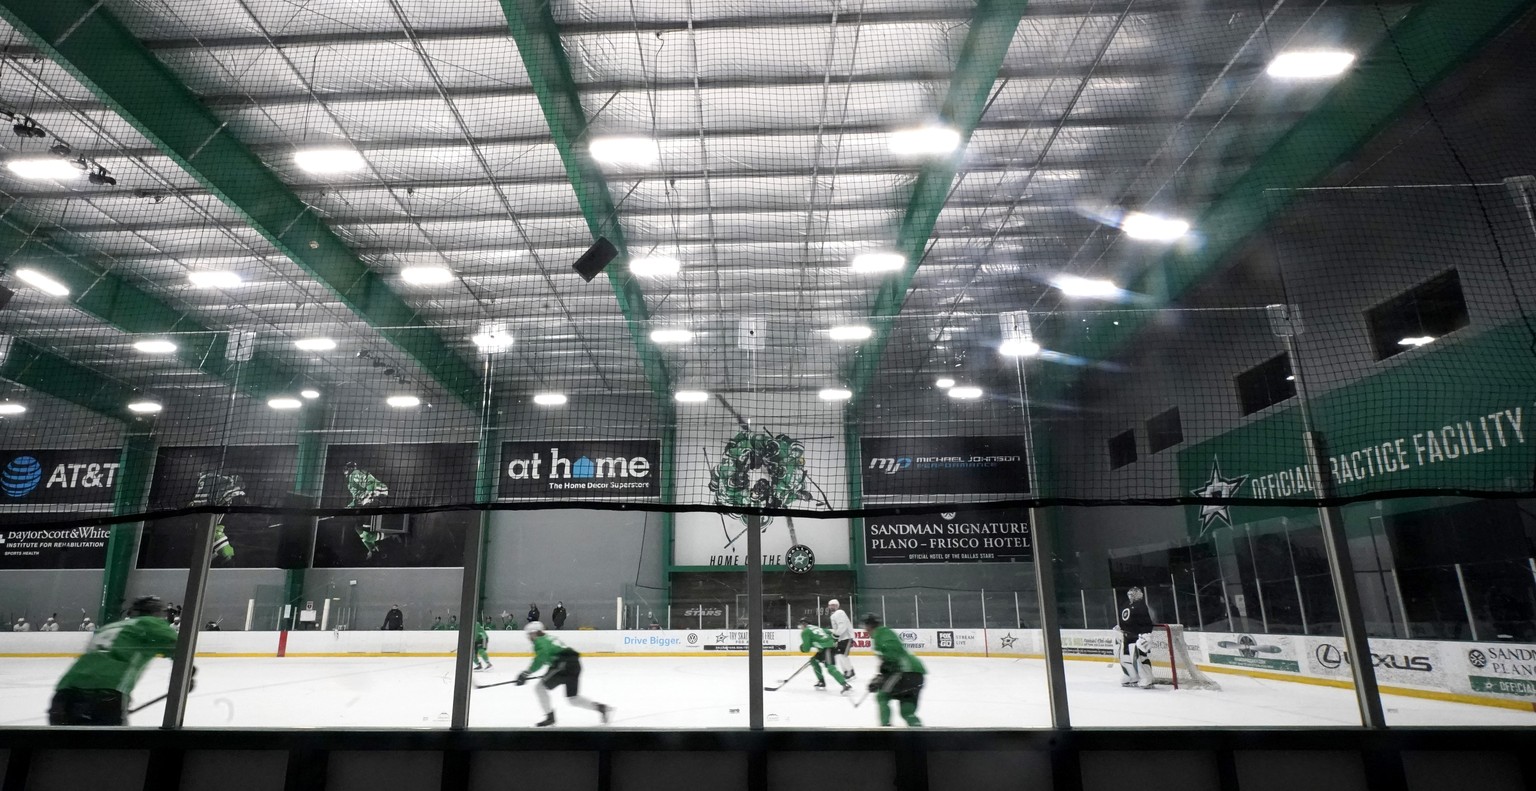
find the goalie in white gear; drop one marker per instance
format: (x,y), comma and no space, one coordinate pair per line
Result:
(842,629)
(1135,634)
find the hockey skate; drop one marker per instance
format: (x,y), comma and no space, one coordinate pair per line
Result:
(846,689)
(821,685)
(602,711)
(549,719)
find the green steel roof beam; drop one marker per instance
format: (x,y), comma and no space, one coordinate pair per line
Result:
(91,44)
(1428,45)
(128,308)
(37,368)
(538,42)
(981,57)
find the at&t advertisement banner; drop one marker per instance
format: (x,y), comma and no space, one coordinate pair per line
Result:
(940,467)
(1000,536)
(578,470)
(59,477)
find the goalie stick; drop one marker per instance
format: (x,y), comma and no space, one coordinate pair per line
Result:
(787,680)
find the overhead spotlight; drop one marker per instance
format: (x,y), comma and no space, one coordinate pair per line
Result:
(403,401)
(44,168)
(1152,228)
(155,346)
(60,149)
(1310,64)
(101,178)
(42,282)
(1090,288)
(493,340)
(944,383)
(654,266)
(310,393)
(852,332)
(314,344)
(624,150)
(12,408)
(145,407)
(691,396)
(671,336)
(212,279)
(329,160)
(1018,347)
(549,399)
(835,394)
(965,392)
(878,262)
(28,128)
(426,275)
(1420,340)
(284,402)
(924,141)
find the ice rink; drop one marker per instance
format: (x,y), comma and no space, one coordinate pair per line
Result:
(711,692)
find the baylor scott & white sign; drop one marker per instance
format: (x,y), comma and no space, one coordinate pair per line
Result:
(580,469)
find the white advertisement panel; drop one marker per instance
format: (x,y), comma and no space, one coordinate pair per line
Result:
(700,539)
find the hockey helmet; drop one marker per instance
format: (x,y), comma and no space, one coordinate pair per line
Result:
(146,605)
(533,628)
(832,604)
(870,621)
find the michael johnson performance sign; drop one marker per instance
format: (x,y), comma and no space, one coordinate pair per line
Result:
(1000,536)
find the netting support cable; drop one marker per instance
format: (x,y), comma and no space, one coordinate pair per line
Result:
(755,621)
(1286,325)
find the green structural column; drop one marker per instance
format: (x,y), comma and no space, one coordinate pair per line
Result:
(308,481)
(135,464)
(668,477)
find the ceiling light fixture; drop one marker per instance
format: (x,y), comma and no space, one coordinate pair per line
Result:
(155,346)
(965,392)
(403,401)
(549,399)
(42,282)
(329,160)
(1153,228)
(835,394)
(690,396)
(310,393)
(493,340)
(1089,288)
(12,408)
(924,141)
(654,266)
(624,150)
(878,262)
(1018,347)
(145,407)
(944,383)
(850,332)
(42,169)
(1421,340)
(426,275)
(284,402)
(1310,64)
(314,344)
(672,336)
(212,279)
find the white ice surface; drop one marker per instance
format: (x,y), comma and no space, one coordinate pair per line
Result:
(668,692)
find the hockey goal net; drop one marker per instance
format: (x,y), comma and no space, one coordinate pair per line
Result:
(1171,662)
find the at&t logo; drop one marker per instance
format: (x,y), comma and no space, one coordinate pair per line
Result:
(21,476)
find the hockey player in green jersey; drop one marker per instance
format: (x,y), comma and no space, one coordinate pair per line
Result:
(564,668)
(216,489)
(95,689)
(365,490)
(482,646)
(815,638)
(901,674)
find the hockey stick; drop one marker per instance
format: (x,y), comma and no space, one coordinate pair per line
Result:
(143,706)
(504,683)
(787,680)
(862,698)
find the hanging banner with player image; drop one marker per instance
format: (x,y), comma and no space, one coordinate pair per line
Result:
(397,474)
(213,476)
(936,468)
(580,469)
(962,536)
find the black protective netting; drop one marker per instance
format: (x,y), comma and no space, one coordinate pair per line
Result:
(324,253)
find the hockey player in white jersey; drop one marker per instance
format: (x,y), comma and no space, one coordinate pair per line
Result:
(842,629)
(1135,634)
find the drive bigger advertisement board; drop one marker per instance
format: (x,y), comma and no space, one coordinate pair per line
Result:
(939,467)
(967,536)
(580,469)
(52,485)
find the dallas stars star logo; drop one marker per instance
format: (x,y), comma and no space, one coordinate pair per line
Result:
(1217,487)
(1008,640)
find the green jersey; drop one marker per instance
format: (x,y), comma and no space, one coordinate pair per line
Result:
(815,638)
(546,649)
(364,488)
(894,657)
(117,653)
(482,638)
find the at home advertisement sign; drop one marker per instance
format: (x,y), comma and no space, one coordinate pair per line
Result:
(578,470)
(964,536)
(939,467)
